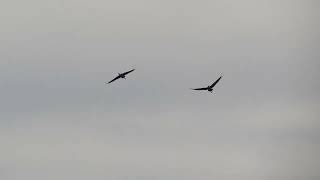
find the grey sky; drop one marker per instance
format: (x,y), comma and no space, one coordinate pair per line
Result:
(58,120)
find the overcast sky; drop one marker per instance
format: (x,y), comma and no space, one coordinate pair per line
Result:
(58,119)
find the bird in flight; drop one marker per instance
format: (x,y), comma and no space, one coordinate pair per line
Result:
(209,88)
(121,75)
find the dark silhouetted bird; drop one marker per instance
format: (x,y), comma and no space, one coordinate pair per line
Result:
(209,88)
(121,75)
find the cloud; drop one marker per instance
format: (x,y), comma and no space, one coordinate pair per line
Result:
(60,121)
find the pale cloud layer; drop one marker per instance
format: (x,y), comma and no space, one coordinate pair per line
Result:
(58,120)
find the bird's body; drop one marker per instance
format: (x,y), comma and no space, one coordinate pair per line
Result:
(209,88)
(121,75)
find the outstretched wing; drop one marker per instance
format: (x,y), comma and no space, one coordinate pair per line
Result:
(114,79)
(215,82)
(200,89)
(128,72)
